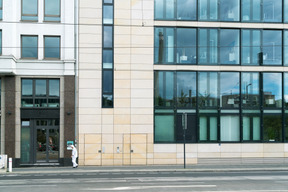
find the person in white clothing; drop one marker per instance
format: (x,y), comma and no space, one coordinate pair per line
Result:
(74,156)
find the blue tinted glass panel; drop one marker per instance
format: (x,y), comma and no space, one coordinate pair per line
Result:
(285,51)
(251,47)
(30,10)
(229,46)
(186,46)
(52,47)
(1,8)
(272,10)
(286,89)
(164,45)
(272,90)
(27,87)
(170,7)
(108,1)
(164,89)
(186,89)
(208,10)
(229,10)
(250,90)
(208,46)
(159,9)
(54,88)
(272,47)
(40,88)
(229,90)
(285,12)
(208,89)
(251,10)
(107,59)
(108,36)
(107,81)
(186,9)
(52,10)
(107,14)
(29,47)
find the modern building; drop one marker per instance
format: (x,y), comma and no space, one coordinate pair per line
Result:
(144,64)
(37,47)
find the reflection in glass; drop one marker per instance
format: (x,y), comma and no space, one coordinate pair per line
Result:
(107,81)
(208,10)
(52,10)
(207,89)
(229,10)
(53,145)
(286,89)
(285,11)
(272,47)
(29,47)
(40,88)
(230,128)
(107,100)
(41,154)
(186,46)
(272,89)
(286,126)
(272,127)
(208,128)
(27,86)
(272,10)
(108,36)
(285,47)
(30,10)
(251,127)
(251,10)
(229,46)
(229,89)
(186,89)
(164,45)
(250,90)
(164,87)
(107,14)
(186,9)
(251,47)
(107,59)
(54,88)
(207,46)
(52,47)
(25,144)
(164,9)
(164,128)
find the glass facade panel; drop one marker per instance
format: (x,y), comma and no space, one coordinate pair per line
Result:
(208,128)
(54,88)
(286,90)
(251,47)
(107,59)
(285,48)
(250,90)
(229,90)
(186,46)
(229,46)
(272,127)
(108,14)
(251,10)
(208,89)
(229,10)
(164,45)
(272,90)
(251,127)
(272,10)
(286,126)
(186,89)
(0,42)
(164,89)
(164,128)
(186,9)
(285,11)
(108,36)
(52,10)
(27,87)
(25,144)
(208,46)
(208,10)
(272,47)
(1,9)
(52,47)
(164,9)
(29,47)
(107,100)
(107,81)
(230,128)
(40,88)
(30,10)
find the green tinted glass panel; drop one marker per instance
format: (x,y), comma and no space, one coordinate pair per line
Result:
(164,128)
(25,145)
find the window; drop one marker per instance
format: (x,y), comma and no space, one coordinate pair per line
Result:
(272,90)
(272,127)
(164,45)
(208,10)
(207,89)
(52,10)
(186,46)
(272,47)
(108,14)
(164,128)
(164,89)
(229,46)
(251,10)
(251,126)
(186,9)
(250,90)
(164,9)
(230,127)
(208,46)
(51,47)
(229,90)
(40,93)
(29,47)
(1,9)
(285,49)
(251,47)
(229,10)
(272,10)
(208,127)
(186,89)
(286,90)
(30,10)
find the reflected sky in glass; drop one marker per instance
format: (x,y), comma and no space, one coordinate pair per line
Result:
(40,88)
(27,86)
(54,88)
(52,47)
(29,46)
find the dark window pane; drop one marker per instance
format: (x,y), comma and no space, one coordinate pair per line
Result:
(52,10)
(229,46)
(41,103)
(108,14)
(272,47)
(229,92)
(164,128)
(251,127)
(30,10)
(164,89)
(286,126)
(53,103)
(107,100)
(107,81)
(107,59)
(54,88)
(272,127)
(25,144)
(186,89)
(229,10)
(272,89)
(108,36)
(52,47)
(186,10)
(164,9)
(30,47)
(250,90)
(272,10)
(286,89)
(208,89)
(27,103)
(186,46)
(164,45)
(208,10)
(27,87)
(40,88)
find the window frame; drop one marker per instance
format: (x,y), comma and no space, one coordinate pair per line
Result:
(51,58)
(29,15)
(51,16)
(34,58)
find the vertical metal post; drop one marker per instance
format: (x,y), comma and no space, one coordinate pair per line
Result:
(184,125)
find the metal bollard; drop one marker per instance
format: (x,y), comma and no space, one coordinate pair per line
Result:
(10,164)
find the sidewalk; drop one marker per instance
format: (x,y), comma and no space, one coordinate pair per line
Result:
(154,168)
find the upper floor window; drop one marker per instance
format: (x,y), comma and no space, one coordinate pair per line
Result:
(52,10)
(40,93)
(30,10)
(29,47)
(1,9)
(51,47)
(0,42)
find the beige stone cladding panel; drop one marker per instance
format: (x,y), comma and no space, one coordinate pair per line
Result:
(273,150)
(252,150)
(139,149)
(190,153)
(165,154)
(90,11)
(91,146)
(209,150)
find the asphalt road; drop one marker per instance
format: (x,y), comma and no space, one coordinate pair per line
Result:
(152,181)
